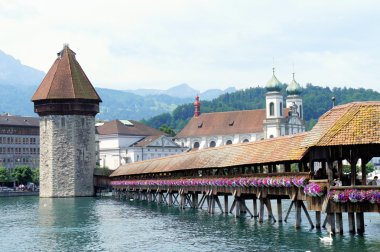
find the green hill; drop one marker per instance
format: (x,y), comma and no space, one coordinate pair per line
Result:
(316,100)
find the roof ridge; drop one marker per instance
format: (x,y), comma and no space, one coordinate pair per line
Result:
(55,73)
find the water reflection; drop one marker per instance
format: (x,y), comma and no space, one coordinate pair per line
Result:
(62,221)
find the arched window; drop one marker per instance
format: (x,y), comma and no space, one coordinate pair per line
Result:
(300,111)
(271,136)
(196,145)
(245,140)
(212,144)
(280,108)
(271,109)
(228,142)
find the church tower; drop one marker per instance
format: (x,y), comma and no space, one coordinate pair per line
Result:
(67,104)
(273,125)
(294,98)
(197,107)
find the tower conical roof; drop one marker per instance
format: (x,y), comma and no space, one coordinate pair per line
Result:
(66,80)
(294,87)
(273,84)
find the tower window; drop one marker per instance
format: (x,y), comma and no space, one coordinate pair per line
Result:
(300,111)
(271,109)
(280,108)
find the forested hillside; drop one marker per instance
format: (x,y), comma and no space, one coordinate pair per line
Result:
(316,100)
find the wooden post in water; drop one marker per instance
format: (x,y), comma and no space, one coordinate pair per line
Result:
(261,214)
(331,222)
(298,214)
(195,200)
(351,222)
(279,210)
(225,203)
(170,198)
(360,222)
(237,207)
(318,219)
(255,213)
(339,223)
(269,208)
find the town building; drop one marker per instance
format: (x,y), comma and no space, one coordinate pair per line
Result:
(67,104)
(128,141)
(207,130)
(19,141)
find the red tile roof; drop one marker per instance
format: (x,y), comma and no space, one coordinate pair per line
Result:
(349,124)
(224,123)
(266,151)
(135,129)
(66,80)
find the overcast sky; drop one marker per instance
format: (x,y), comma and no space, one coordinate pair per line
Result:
(207,44)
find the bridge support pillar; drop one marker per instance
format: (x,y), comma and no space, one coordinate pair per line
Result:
(226,204)
(298,214)
(237,207)
(331,222)
(279,210)
(339,223)
(261,214)
(255,214)
(318,219)
(351,222)
(360,222)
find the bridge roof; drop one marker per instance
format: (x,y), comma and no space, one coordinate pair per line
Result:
(350,124)
(285,148)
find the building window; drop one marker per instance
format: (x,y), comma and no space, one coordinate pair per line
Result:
(62,122)
(196,145)
(280,108)
(300,111)
(271,109)
(212,144)
(228,142)
(271,136)
(245,140)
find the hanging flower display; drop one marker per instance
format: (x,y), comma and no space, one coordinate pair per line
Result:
(314,190)
(354,196)
(240,182)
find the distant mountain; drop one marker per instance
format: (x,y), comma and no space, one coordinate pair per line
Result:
(12,72)
(183,91)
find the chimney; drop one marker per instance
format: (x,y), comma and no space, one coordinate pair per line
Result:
(197,107)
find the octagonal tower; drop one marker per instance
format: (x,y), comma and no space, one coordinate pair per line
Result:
(67,104)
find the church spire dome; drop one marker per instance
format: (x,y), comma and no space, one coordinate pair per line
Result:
(273,84)
(294,87)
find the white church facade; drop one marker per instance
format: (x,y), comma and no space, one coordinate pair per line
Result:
(122,142)
(279,118)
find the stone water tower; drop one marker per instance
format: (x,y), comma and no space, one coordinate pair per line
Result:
(67,104)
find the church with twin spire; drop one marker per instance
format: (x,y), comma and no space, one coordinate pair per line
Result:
(279,118)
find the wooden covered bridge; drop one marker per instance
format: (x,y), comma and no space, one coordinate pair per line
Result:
(299,167)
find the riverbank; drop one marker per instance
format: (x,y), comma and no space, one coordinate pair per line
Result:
(18,193)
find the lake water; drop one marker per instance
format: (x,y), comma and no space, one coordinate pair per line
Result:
(105,224)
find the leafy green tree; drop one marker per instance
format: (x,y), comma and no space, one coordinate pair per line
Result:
(4,175)
(22,174)
(165,128)
(36,176)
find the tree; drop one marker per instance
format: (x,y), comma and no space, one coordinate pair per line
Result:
(22,174)
(165,128)
(36,176)
(4,176)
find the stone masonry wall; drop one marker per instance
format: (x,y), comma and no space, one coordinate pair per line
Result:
(67,155)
